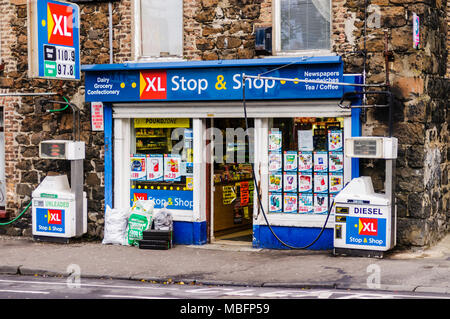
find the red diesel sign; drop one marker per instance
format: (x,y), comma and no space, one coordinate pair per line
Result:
(60,26)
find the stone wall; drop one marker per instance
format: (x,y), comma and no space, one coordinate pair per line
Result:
(224,29)
(417,78)
(26,124)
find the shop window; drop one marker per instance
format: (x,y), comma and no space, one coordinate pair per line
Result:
(306,164)
(302,25)
(162,163)
(159,29)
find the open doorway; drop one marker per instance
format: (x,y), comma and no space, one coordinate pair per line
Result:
(232,181)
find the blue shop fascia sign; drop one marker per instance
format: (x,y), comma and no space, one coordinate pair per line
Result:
(214,80)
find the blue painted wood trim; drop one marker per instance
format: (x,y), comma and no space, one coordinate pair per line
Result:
(189,233)
(108,136)
(293,236)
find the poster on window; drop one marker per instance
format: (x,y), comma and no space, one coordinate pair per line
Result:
(335,140)
(172,167)
(320,203)
(305,182)
(155,169)
(336,182)
(320,161)
(305,203)
(275,202)
(275,162)
(290,202)
(290,161)
(305,161)
(320,183)
(275,140)
(138,167)
(290,182)
(275,182)
(336,161)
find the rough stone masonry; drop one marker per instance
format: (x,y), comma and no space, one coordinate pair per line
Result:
(224,29)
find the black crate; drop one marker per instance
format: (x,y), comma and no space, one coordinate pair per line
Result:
(151,244)
(155,234)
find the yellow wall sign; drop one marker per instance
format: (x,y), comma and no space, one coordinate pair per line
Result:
(161,122)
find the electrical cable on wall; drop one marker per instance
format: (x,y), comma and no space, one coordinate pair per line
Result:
(258,195)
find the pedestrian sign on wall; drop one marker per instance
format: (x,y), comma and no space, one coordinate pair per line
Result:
(54,30)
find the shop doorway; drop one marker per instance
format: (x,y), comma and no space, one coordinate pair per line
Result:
(231,180)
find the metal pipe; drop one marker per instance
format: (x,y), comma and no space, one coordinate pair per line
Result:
(311,81)
(27,94)
(110,33)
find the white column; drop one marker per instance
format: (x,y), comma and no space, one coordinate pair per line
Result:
(199,196)
(122,149)
(261,168)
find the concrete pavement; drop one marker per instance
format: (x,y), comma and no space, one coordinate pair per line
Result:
(426,270)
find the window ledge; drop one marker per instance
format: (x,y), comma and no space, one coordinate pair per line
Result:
(157,59)
(303,53)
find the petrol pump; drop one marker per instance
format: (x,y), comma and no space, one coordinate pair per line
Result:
(59,210)
(365,221)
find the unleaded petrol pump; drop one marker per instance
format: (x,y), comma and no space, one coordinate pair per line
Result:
(59,210)
(365,221)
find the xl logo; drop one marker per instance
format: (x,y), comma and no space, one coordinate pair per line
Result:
(368,226)
(153,85)
(54,216)
(140,196)
(59,24)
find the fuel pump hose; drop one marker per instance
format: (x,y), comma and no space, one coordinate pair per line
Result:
(258,191)
(12,221)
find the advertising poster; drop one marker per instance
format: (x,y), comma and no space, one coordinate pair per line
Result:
(305,140)
(275,182)
(305,182)
(320,183)
(320,161)
(290,203)
(275,202)
(172,167)
(290,161)
(305,203)
(290,182)
(335,140)
(275,140)
(336,182)
(138,167)
(155,167)
(336,161)
(305,161)
(320,203)
(275,162)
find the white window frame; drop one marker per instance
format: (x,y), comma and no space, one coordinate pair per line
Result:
(136,38)
(276,37)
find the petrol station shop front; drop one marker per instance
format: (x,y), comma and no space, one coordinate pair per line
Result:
(176,133)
